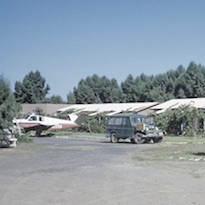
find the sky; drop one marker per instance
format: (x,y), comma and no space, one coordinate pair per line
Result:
(68,40)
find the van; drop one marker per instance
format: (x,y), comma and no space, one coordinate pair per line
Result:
(137,128)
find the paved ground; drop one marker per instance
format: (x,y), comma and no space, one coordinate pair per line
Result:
(89,172)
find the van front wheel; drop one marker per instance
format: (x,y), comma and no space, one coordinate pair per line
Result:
(113,138)
(138,139)
(157,140)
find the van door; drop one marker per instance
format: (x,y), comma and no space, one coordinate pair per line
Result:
(127,130)
(118,126)
(115,126)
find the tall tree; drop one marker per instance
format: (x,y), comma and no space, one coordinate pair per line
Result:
(95,89)
(179,83)
(71,98)
(130,90)
(8,106)
(33,89)
(55,99)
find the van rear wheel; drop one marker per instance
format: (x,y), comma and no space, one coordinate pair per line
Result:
(113,138)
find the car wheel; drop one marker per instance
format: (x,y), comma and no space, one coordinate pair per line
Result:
(139,139)
(113,138)
(156,140)
(133,141)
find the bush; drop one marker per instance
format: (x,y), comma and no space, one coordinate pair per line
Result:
(8,106)
(185,120)
(23,139)
(94,124)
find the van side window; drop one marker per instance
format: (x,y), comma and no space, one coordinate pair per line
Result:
(118,121)
(115,121)
(125,122)
(111,121)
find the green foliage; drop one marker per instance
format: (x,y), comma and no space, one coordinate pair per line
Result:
(185,120)
(32,90)
(8,106)
(95,124)
(55,99)
(24,138)
(179,83)
(38,111)
(71,98)
(96,89)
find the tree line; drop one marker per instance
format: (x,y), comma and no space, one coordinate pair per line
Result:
(179,83)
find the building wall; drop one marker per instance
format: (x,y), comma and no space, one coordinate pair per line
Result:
(48,109)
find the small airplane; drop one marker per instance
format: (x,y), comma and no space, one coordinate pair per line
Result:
(41,123)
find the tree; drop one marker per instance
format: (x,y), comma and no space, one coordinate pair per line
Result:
(33,89)
(55,99)
(71,98)
(178,83)
(8,106)
(84,94)
(129,89)
(117,94)
(96,89)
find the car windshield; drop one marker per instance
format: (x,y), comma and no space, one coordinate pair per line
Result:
(141,119)
(136,120)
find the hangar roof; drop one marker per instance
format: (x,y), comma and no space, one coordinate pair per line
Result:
(175,103)
(109,108)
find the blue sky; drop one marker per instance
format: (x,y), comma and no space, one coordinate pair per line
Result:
(67,40)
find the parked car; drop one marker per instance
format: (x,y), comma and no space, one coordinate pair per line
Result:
(7,139)
(138,128)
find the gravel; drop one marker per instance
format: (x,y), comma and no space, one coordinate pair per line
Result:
(75,171)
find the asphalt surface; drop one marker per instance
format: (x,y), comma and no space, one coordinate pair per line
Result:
(93,171)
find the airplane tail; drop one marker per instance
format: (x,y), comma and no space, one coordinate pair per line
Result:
(73,117)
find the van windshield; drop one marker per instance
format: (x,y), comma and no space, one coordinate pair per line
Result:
(140,119)
(136,120)
(150,120)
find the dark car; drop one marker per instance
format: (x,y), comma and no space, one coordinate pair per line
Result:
(138,128)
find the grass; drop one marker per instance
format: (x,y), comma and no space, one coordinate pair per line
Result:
(24,138)
(175,148)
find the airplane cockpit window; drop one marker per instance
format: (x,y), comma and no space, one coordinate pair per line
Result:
(40,118)
(26,116)
(33,118)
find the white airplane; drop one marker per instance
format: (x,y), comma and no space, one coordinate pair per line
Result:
(40,123)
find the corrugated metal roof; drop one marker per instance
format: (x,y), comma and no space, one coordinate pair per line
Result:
(109,108)
(175,103)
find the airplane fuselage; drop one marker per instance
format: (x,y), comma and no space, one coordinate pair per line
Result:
(41,123)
